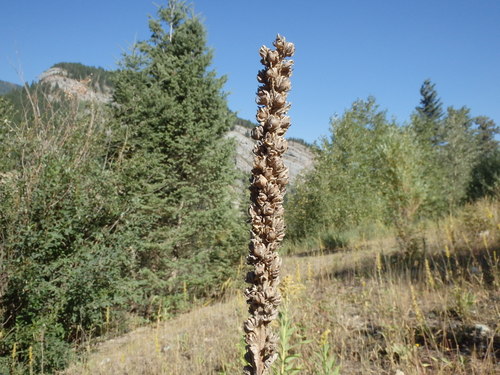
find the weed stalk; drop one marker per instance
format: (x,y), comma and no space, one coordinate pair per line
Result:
(267,189)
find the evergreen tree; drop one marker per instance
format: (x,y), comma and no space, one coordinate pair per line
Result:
(427,125)
(178,168)
(430,105)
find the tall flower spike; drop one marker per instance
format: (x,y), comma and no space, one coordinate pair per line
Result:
(268,186)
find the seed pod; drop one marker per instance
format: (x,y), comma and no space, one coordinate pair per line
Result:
(285,122)
(272,57)
(262,76)
(272,123)
(259,164)
(286,68)
(263,97)
(262,114)
(279,43)
(263,51)
(272,73)
(260,181)
(257,132)
(279,100)
(283,84)
(289,49)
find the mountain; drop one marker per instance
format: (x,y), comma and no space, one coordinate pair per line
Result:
(6,87)
(86,83)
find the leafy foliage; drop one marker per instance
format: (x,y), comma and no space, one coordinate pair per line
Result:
(486,173)
(65,255)
(402,182)
(372,170)
(458,155)
(341,190)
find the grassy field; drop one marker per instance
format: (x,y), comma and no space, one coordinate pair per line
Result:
(361,309)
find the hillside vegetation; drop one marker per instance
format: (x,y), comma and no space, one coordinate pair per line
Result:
(115,208)
(362,308)
(121,215)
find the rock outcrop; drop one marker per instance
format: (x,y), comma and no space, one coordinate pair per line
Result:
(83,89)
(298,158)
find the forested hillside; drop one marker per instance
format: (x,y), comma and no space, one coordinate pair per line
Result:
(118,208)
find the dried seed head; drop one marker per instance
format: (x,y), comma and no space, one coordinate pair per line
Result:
(262,76)
(285,122)
(286,68)
(260,181)
(285,49)
(279,42)
(272,57)
(272,73)
(270,177)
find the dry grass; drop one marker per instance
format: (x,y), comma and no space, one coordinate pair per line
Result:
(438,314)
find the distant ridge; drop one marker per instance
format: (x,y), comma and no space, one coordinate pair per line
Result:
(6,87)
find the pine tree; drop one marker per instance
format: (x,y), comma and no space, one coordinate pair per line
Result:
(178,168)
(427,124)
(430,105)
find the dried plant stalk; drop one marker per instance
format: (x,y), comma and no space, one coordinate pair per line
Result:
(269,179)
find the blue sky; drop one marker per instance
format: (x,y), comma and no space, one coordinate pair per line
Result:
(344,49)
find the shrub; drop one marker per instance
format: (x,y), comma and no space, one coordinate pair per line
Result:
(66,253)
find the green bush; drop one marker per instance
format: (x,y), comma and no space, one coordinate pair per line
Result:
(63,240)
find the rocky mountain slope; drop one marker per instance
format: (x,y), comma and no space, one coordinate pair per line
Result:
(87,84)
(298,158)
(86,89)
